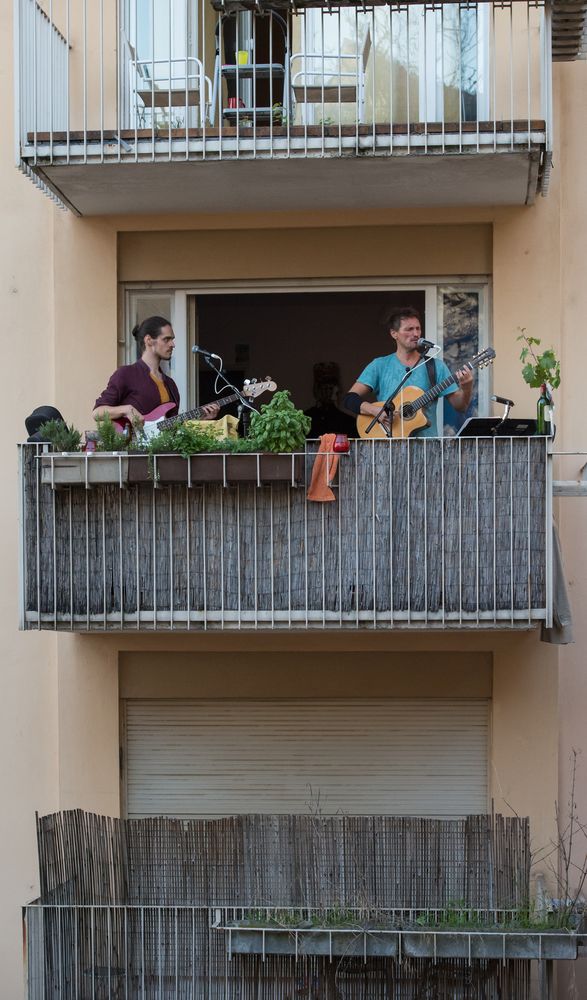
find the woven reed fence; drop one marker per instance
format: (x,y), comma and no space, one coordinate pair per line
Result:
(445,531)
(262,860)
(127,907)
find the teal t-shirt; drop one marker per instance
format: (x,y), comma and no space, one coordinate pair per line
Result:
(384,374)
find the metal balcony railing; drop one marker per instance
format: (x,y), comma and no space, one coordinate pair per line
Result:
(162,80)
(438,533)
(155,914)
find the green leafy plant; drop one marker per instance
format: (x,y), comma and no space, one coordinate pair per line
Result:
(60,436)
(279,114)
(109,439)
(459,916)
(538,369)
(183,439)
(279,426)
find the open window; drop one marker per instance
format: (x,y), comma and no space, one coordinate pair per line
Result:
(284,333)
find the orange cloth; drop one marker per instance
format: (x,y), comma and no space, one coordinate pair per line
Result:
(324,471)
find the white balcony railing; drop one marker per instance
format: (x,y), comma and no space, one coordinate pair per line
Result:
(163,80)
(438,533)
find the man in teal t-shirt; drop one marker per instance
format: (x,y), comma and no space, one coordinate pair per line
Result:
(382,375)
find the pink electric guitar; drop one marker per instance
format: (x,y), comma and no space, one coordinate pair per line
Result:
(156,420)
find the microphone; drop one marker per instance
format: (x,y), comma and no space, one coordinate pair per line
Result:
(503,400)
(426,345)
(207,354)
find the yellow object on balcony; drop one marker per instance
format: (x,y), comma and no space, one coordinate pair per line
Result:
(225,427)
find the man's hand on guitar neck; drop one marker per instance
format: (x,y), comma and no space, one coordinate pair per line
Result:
(462,397)
(209,411)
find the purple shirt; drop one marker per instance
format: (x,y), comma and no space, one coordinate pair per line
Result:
(132,384)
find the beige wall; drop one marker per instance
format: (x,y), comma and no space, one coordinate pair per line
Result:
(390,250)
(573,234)
(59,296)
(28,705)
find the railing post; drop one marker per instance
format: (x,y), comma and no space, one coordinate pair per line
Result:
(548,529)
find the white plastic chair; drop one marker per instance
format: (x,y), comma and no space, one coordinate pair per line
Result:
(154,85)
(333,78)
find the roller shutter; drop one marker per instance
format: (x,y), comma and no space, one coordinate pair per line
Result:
(396,757)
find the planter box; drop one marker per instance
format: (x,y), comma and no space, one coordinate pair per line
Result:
(472,944)
(95,468)
(84,468)
(220,468)
(348,943)
(491,944)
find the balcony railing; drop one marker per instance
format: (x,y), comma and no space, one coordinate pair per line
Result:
(438,533)
(168,81)
(265,906)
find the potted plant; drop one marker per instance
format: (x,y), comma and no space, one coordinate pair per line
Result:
(277,429)
(540,371)
(105,462)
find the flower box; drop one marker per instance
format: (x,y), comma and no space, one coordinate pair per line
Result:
(353,941)
(84,468)
(225,468)
(348,942)
(99,468)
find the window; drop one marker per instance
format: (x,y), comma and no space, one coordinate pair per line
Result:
(240,324)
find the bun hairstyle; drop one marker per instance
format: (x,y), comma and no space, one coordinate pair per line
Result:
(150,327)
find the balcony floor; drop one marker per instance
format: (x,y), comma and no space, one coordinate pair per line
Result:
(270,169)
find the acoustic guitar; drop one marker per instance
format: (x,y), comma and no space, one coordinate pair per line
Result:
(410,402)
(157,420)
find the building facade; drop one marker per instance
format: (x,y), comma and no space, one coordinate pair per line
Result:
(275,218)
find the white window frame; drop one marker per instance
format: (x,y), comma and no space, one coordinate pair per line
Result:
(178,366)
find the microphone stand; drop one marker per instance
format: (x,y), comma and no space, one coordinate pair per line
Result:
(244,406)
(507,403)
(388,406)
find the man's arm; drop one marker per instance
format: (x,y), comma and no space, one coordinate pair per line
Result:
(365,408)
(116,412)
(462,397)
(109,402)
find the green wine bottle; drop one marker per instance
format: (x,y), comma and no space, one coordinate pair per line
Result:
(544,412)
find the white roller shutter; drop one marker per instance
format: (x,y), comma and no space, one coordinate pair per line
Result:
(395,757)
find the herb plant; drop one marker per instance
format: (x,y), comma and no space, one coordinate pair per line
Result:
(60,436)
(279,426)
(109,439)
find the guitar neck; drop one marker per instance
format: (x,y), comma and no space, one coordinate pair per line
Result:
(437,389)
(197,413)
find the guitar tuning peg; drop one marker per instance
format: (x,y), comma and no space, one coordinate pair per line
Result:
(268,378)
(253,380)
(247,381)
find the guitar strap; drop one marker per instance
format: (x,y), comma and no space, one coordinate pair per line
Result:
(431,369)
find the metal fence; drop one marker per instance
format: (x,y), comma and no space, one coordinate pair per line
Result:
(151,908)
(445,533)
(175,953)
(155,80)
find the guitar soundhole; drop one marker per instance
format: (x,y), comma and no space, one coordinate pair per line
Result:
(407,411)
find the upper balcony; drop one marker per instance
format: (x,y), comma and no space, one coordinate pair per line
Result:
(174,106)
(430,534)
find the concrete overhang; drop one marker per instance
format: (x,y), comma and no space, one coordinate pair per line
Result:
(321,182)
